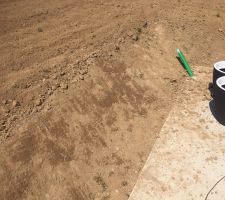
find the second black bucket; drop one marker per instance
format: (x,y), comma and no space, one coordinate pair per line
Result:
(220,98)
(218,71)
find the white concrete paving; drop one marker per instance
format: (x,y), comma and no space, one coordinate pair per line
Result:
(188,158)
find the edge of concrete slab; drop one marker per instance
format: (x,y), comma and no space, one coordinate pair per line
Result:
(187,159)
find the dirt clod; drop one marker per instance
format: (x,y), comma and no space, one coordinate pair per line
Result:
(50,92)
(54,87)
(64,86)
(83,71)
(145,24)
(4,101)
(173,81)
(62,73)
(38,102)
(40,29)
(2,127)
(130,34)
(135,37)
(81,77)
(124,183)
(15,103)
(117,47)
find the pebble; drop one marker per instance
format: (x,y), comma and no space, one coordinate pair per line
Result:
(54,87)
(139,30)
(6,110)
(120,40)
(117,47)
(135,37)
(81,77)
(40,29)
(54,77)
(124,183)
(15,103)
(173,81)
(4,102)
(38,102)
(50,92)
(14,118)
(2,127)
(130,34)
(62,73)
(83,72)
(95,55)
(145,24)
(64,86)
(220,29)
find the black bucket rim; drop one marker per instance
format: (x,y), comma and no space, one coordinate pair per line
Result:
(220,65)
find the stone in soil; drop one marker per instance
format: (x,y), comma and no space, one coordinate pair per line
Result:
(2,127)
(4,102)
(130,34)
(62,73)
(40,29)
(83,71)
(54,77)
(6,110)
(173,81)
(54,87)
(38,102)
(64,86)
(50,92)
(14,118)
(120,40)
(81,77)
(145,24)
(15,103)
(117,47)
(135,37)
(124,183)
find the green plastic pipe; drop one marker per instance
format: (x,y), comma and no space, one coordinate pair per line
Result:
(185,63)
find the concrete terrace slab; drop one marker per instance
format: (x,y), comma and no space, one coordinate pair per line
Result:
(188,158)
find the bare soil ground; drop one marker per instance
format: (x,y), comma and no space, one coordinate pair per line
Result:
(86,86)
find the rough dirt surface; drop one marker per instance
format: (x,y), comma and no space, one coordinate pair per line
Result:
(86,86)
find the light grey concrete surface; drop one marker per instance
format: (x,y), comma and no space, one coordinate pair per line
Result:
(188,158)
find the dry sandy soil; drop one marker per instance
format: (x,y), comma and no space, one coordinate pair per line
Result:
(86,86)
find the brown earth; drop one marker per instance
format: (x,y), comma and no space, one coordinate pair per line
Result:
(87,85)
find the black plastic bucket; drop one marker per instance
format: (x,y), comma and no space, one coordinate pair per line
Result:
(219,97)
(218,71)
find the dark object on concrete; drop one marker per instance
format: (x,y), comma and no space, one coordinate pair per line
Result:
(219,70)
(212,106)
(219,97)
